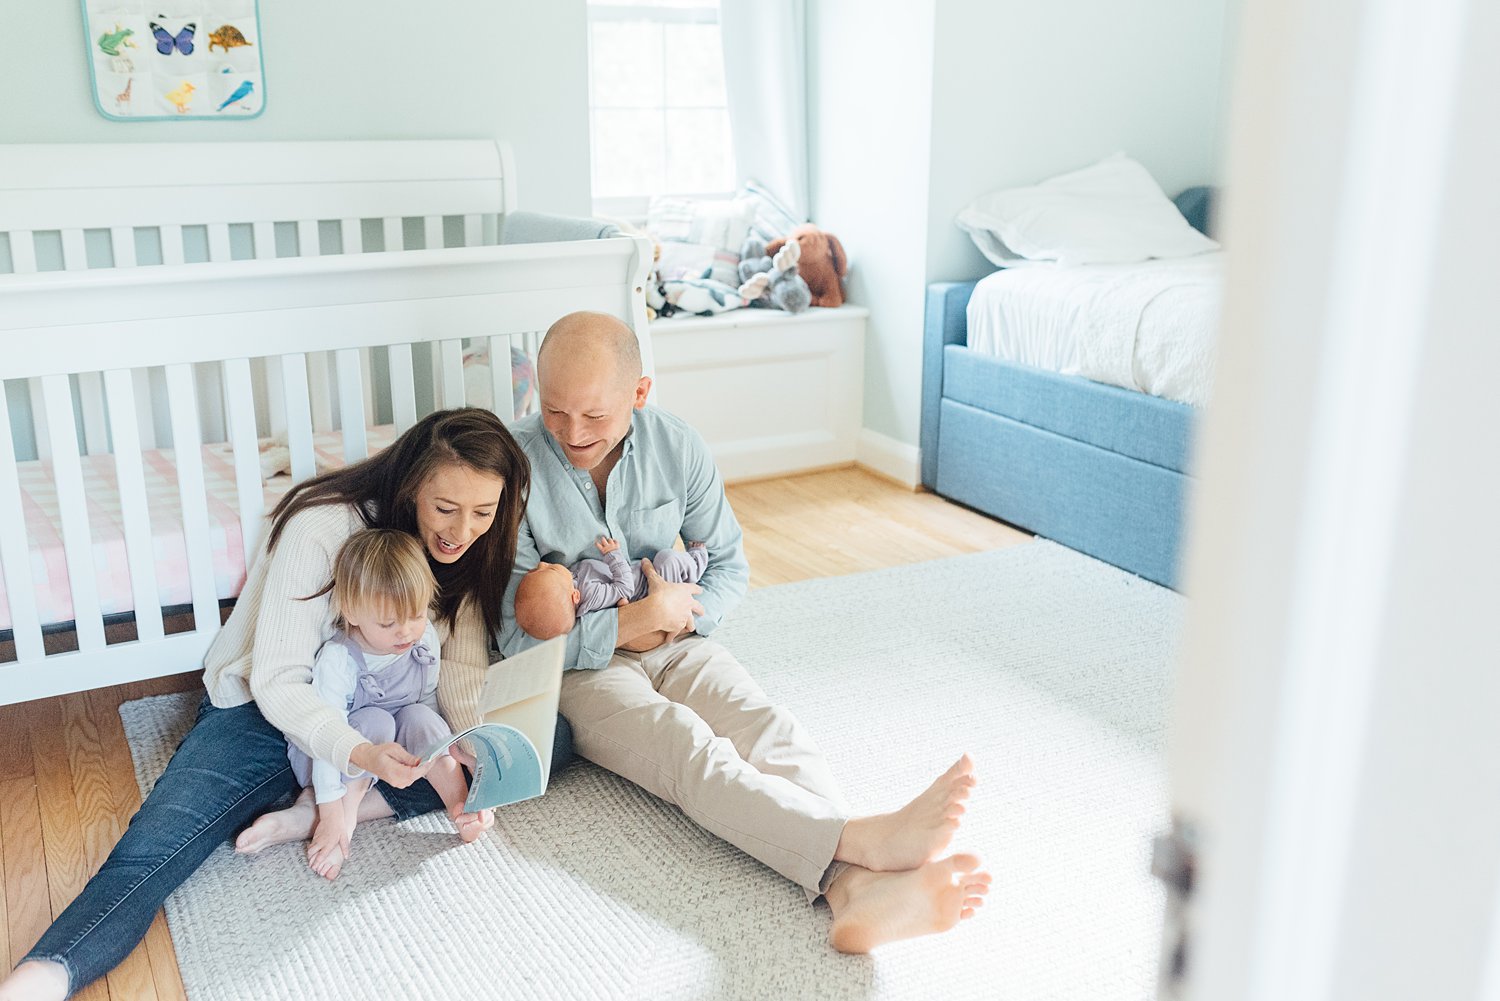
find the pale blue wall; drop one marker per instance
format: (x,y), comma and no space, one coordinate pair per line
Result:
(919,106)
(350,69)
(1024,90)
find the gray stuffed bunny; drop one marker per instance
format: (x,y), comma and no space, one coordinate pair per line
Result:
(773,283)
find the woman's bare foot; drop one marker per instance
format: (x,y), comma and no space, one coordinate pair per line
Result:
(472,825)
(35,980)
(873,908)
(295,823)
(916,833)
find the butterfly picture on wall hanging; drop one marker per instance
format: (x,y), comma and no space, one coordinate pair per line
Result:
(166,41)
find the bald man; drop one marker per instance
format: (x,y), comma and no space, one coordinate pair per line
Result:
(653,699)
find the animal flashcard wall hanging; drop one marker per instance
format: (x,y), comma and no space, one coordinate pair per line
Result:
(154,60)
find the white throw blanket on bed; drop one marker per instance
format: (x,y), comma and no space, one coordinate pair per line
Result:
(1149,327)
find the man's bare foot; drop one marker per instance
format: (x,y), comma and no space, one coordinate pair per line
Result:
(35,980)
(916,833)
(295,823)
(472,825)
(873,908)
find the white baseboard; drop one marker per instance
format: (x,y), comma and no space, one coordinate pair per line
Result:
(893,459)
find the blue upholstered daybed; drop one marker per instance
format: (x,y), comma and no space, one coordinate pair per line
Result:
(1097,468)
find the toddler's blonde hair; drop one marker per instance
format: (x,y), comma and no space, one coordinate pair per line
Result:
(382,569)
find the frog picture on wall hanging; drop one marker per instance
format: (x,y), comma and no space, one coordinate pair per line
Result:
(153,60)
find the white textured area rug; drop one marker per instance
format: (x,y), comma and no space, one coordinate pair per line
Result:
(1049,667)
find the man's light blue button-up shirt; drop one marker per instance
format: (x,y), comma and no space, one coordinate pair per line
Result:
(664,485)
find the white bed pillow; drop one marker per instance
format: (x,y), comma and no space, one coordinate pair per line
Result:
(1110,213)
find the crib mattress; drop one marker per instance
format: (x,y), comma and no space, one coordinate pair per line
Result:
(1148,327)
(49,568)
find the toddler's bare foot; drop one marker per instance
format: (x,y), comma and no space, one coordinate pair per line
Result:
(327,861)
(873,908)
(295,823)
(472,825)
(325,852)
(916,833)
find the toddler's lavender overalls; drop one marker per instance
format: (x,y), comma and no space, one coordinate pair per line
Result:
(386,706)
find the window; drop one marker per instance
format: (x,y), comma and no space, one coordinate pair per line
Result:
(658,118)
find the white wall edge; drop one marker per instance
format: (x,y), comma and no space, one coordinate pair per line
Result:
(889,457)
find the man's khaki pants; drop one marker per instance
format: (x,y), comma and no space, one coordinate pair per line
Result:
(687,723)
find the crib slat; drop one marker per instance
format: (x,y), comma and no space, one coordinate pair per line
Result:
(57,397)
(403,386)
(39,423)
(122,246)
(308,244)
(432,231)
(298,416)
(91,398)
(352,236)
(15,556)
(320,400)
(90,389)
(145,419)
(500,395)
(367,379)
(390,226)
(171,244)
(23,262)
(75,254)
(452,361)
(22,251)
(473,230)
(186,449)
(351,404)
(240,394)
(218,242)
(263,236)
(134,507)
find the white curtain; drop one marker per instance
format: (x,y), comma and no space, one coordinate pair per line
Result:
(765,75)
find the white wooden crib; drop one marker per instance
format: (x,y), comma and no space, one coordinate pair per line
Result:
(175,317)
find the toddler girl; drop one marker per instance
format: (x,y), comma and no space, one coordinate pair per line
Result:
(381,669)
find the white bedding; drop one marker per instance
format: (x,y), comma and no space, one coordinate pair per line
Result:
(1149,327)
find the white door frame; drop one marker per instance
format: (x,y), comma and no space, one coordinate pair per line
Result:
(1332,751)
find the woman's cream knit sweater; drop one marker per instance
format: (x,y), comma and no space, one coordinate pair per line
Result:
(265,651)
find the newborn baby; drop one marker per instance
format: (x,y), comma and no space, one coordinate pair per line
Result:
(550,598)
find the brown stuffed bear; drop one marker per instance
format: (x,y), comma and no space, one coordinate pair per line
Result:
(823,264)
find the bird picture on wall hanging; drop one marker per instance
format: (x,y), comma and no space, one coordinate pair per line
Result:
(182,97)
(240,93)
(166,41)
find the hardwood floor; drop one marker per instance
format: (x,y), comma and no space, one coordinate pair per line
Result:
(67,785)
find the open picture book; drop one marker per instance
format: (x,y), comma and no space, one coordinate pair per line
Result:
(513,746)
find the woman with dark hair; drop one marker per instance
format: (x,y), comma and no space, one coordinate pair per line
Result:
(456,481)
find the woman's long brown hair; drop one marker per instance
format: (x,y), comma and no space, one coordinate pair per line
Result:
(383,489)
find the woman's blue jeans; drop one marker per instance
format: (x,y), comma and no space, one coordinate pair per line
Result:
(230,768)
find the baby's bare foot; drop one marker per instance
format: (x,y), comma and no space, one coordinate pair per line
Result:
(472,825)
(873,908)
(916,833)
(295,823)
